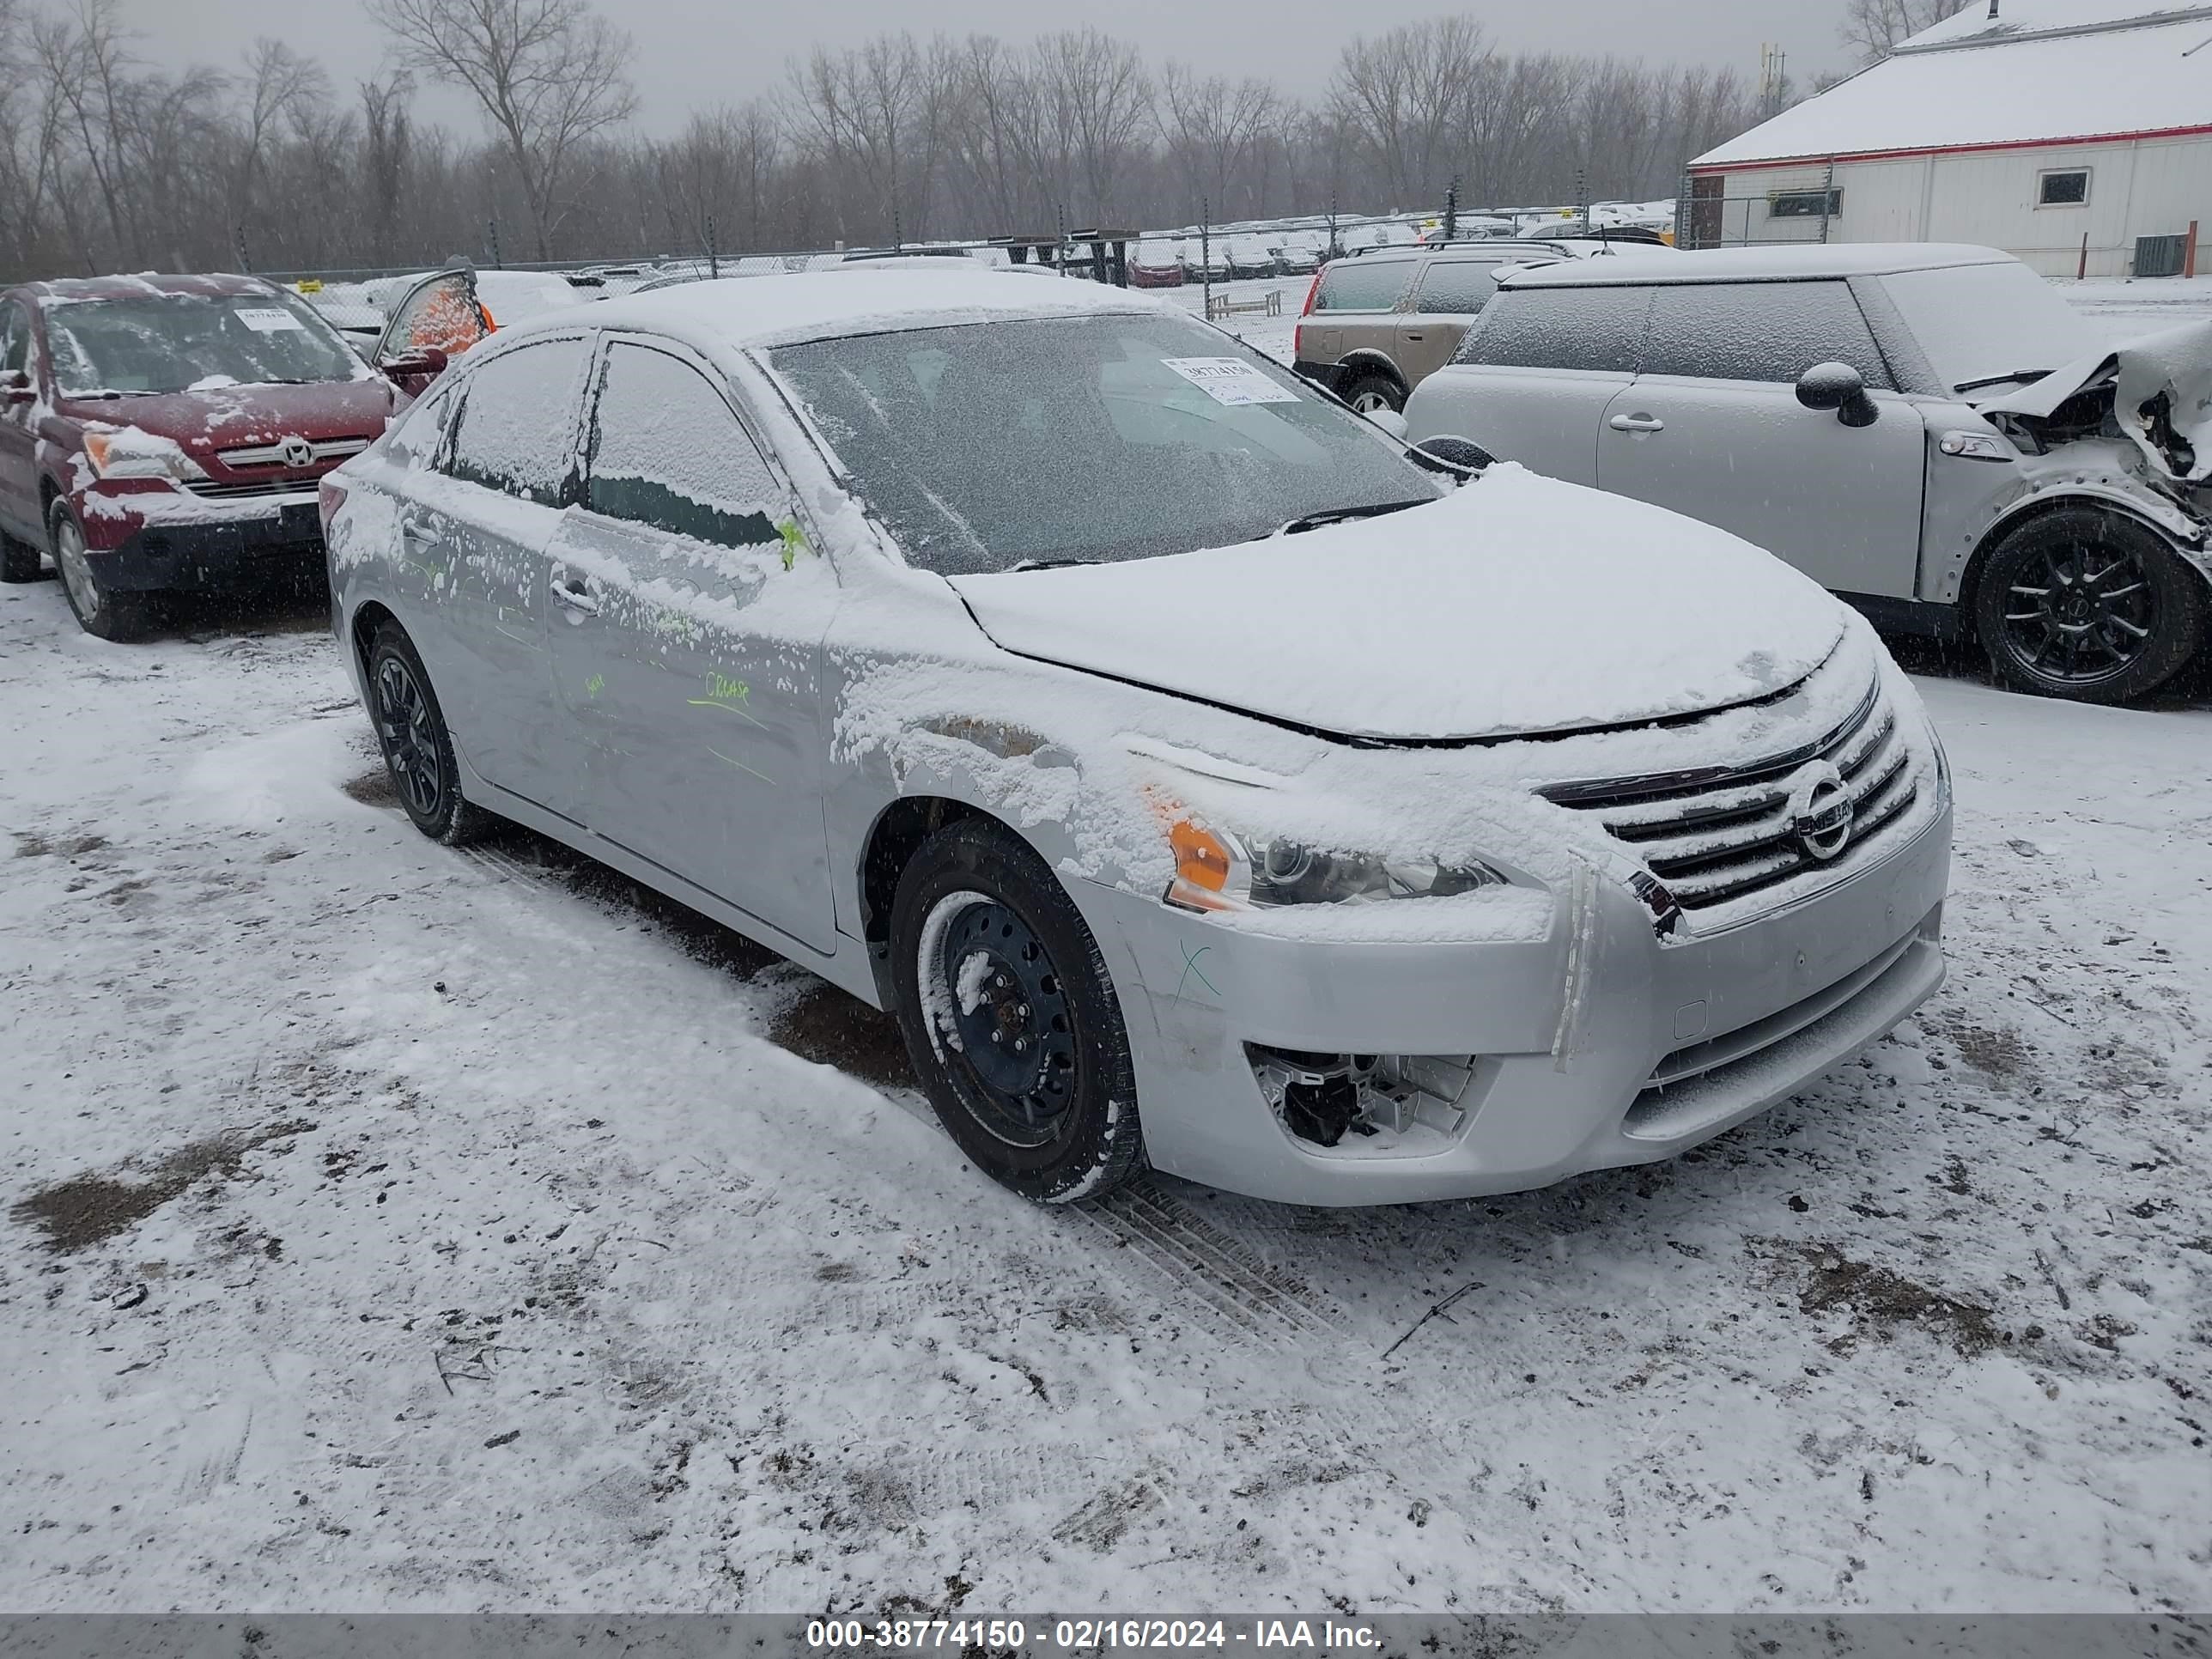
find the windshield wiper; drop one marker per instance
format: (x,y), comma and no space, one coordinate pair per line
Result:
(1051,564)
(2021,376)
(1341,514)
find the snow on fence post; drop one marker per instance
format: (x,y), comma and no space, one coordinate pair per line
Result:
(2189,251)
(713,256)
(1827,200)
(1205,252)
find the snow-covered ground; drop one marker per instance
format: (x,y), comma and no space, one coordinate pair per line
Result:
(393,1227)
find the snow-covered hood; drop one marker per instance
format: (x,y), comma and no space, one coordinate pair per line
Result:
(2174,365)
(1519,604)
(229,416)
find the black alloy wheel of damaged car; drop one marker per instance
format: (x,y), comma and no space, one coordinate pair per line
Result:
(1010,1017)
(100,611)
(418,750)
(2087,603)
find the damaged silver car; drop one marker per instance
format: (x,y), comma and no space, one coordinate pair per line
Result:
(1930,431)
(1202,779)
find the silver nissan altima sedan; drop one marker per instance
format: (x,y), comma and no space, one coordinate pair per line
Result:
(1204,779)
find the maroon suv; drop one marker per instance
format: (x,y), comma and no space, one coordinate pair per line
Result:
(165,433)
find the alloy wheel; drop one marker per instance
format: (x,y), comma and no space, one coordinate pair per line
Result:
(2081,613)
(408,731)
(1369,403)
(76,567)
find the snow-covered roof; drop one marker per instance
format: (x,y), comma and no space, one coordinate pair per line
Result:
(2045,71)
(1781,262)
(755,310)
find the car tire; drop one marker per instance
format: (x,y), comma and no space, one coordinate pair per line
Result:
(417,748)
(1374,391)
(99,611)
(20,561)
(2089,604)
(1049,1108)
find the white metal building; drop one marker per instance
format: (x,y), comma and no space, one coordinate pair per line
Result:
(2076,134)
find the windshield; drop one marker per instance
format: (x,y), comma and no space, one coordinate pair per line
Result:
(991,445)
(1994,324)
(183,341)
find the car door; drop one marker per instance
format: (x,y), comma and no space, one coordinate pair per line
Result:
(1712,428)
(440,315)
(474,531)
(1450,293)
(1532,379)
(19,438)
(685,619)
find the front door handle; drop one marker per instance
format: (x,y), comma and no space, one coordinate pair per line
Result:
(418,530)
(1637,424)
(573,594)
(1416,338)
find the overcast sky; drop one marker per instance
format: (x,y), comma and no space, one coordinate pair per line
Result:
(692,53)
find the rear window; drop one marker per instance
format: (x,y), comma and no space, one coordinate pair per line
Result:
(1462,285)
(1592,328)
(1362,285)
(1760,331)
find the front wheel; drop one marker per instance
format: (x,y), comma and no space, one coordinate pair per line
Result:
(100,611)
(2089,604)
(1010,1016)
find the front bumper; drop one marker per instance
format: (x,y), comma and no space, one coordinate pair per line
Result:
(138,544)
(1651,1049)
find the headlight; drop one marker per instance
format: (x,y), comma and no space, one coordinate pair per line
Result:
(128,453)
(1216,871)
(1976,446)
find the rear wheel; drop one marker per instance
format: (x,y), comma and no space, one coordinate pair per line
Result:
(100,611)
(1374,392)
(418,750)
(1011,1019)
(2089,604)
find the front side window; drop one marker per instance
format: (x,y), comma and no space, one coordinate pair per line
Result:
(984,446)
(517,422)
(1460,287)
(14,339)
(667,452)
(159,343)
(1578,328)
(1760,331)
(1362,285)
(2066,188)
(441,315)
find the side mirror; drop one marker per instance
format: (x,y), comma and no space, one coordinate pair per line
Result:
(15,387)
(1460,457)
(425,362)
(1840,387)
(1390,421)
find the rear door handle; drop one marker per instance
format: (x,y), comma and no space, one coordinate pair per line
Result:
(418,530)
(573,594)
(1637,424)
(1412,335)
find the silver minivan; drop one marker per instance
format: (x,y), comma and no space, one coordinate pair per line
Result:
(1930,431)
(1187,764)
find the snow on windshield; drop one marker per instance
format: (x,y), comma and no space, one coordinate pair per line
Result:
(1990,323)
(176,342)
(1083,439)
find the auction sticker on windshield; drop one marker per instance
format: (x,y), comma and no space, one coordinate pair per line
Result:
(1231,380)
(268,319)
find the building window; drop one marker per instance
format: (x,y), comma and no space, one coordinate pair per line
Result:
(1805,204)
(2069,188)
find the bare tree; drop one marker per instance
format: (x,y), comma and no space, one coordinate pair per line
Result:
(282,87)
(1875,28)
(548,74)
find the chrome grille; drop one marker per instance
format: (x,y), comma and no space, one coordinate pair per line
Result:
(318,455)
(209,490)
(1718,833)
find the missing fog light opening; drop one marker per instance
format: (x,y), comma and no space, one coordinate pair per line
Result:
(1321,1099)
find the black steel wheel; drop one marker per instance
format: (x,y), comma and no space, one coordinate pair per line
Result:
(418,750)
(1011,1018)
(2089,604)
